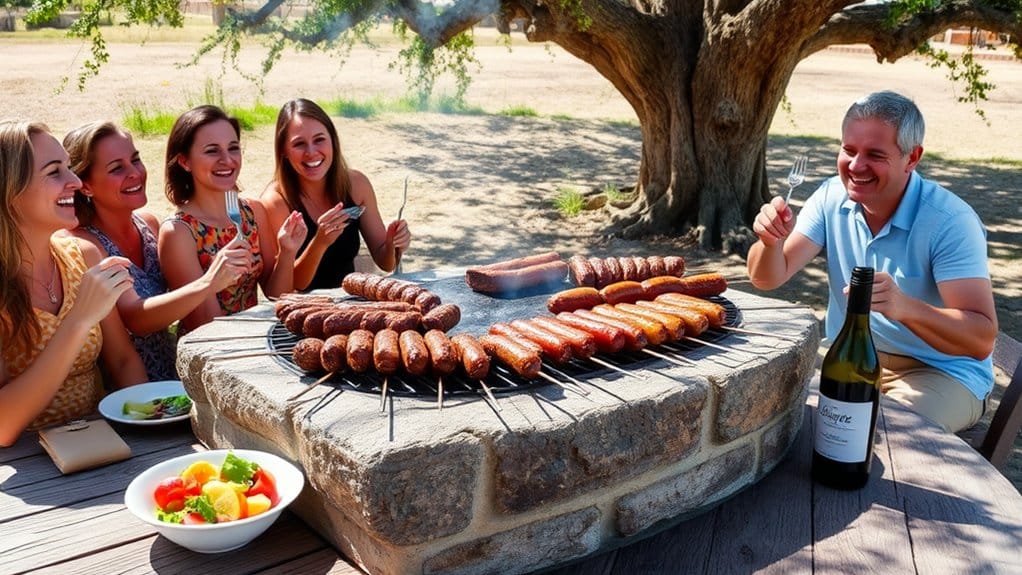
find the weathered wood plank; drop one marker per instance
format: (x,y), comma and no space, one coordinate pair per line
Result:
(288,538)
(323,562)
(855,531)
(68,490)
(955,518)
(26,446)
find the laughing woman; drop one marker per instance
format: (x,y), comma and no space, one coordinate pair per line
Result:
(110,216)
(313,178)
(202,165)
(56,294)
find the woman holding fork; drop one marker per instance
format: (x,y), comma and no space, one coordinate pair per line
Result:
(109,207)
(313,178)
(202,165)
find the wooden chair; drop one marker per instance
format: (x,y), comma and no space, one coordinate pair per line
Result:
(997,444)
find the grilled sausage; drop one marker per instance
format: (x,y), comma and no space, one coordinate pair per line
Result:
(641,268)
(600,271)
(674,265)
(656,266)
(359,351)
(394,290)
(377,305)
(295,320)
(573,299)
(343,321)
(409,294)
(675,326)
(414,353)
(519,263)
(426,301)
(657,286)
(374,321)
(523,361)
(703,285)
(443,317)
(305,354)
(313,324)
(554,347)
(517,336)
(623,291)
(609,339)
(655,331)
(583,345)
(369,287)
(614,271)
(581,272)
(386,351)
(473,357)
(629,272)
(510,280)
(333,354)
(695,322)
(715,313)
(635,338)
(383,288)
(354,283)
(401,321)
(441,353)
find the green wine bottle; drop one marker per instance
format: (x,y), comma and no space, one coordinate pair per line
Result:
(849,395)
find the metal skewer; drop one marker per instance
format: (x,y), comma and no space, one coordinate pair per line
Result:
(489,393)
(713,345)
(224,338)
(787,306)
(439,393)
(383,396)
(569,378)
(607,364)
(243,318)
(754,332)
(263,353)
(676,361)
(312,385)
(563,385)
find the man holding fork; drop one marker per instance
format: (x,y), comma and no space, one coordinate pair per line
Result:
(935,322)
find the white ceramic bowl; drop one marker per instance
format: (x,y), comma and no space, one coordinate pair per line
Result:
(214,537)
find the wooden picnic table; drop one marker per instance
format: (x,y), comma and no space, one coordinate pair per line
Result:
(932,506)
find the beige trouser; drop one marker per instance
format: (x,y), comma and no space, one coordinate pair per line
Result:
(929,392)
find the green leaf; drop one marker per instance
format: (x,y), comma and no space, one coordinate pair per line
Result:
(237,469)
(202,505)
(170,516)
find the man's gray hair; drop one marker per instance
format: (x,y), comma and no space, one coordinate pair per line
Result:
(894,110)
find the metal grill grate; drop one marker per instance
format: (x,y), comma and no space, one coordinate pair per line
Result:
(501,380)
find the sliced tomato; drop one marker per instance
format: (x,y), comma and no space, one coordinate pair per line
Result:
(170,494)
(263,483)
(193,519)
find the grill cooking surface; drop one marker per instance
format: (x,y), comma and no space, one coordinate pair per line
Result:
(478,313)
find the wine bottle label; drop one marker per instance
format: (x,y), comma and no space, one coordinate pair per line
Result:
(842,429)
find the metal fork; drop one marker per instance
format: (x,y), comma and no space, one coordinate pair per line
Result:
(796,176)
(401,210)
(233,209)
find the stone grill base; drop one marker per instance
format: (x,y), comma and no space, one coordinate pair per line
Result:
(550,477)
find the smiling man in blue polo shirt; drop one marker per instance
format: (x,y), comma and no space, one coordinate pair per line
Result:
(933,318)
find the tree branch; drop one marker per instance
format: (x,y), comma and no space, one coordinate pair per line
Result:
(865,24)
(437,27)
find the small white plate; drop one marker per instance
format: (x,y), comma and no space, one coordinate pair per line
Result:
(112,405)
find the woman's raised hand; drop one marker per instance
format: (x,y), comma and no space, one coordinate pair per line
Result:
(331,224)
(230,263)
(398,235)
(100,288)
(292,233)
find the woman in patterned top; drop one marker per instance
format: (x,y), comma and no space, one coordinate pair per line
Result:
(202,163)
(56,294)
(110,217)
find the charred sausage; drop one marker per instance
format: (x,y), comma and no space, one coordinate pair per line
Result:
(522,360)
(386,351)
(609,339)
(703,285)
(313,324)
(573,299)
(306,352)
(441,353)
(343,321)
(519,263)
(674,265)
(511,280)
(443,317)
(657,286)
(295,320)
(581,272)
(557,348)
(332,356)
(401,321)
(628,271)
(641,268)
(614,271)
(359,351)
(414,353)
(656,266)
(426,301)
(601,272)
(516,335)
(473,357)
(354,283)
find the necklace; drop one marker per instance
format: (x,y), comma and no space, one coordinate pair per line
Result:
(49,284)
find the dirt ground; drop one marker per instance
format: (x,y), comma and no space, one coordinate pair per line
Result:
(481,187)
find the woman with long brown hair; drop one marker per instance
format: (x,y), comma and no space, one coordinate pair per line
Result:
(56,294)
